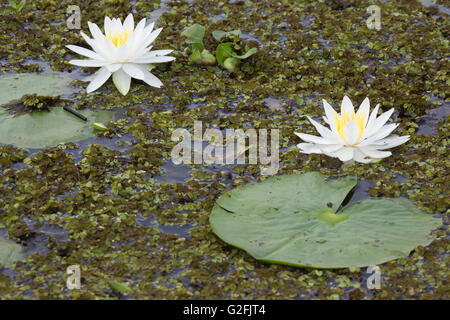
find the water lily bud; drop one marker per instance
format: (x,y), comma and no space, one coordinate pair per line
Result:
(207,58)
(231,64)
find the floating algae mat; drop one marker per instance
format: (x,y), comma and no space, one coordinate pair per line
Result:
(44,128)
(293,220)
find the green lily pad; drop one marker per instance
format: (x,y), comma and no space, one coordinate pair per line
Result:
(49,128)
(292,220)
(14,86)
(10,252)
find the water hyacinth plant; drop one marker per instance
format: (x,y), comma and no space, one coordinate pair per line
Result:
(352,136)
(123,52)
(226,54)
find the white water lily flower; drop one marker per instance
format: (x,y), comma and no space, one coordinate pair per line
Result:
(123,51)
(352,137)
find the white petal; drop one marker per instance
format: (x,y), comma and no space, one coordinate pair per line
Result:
(92,76)
(364,110)
(382,133)
(85,52)
(373,153)
(122,81)
(372,118)
(134,71)
(149,78)
(128,24)
(330,148)
(378,123)
(309,148)
(351,132)
(113,67)
(157,59)
(148,29)
(159,52)
(331,115)
(391,142)
(116,26)
(344,154)
(97,47)
(140,28)
(95,31)
(89,63)
(151,37)
(102,42)
(107,25)
(323,131)
(361,157)
(347,106)
(134,42)
(313,139)
(101,77)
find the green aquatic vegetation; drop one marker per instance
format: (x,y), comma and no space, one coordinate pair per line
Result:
(296,220)
(219,34)
(227,57)
(32,102)
(198,54)
(17,6)
(225,52)
(119,287)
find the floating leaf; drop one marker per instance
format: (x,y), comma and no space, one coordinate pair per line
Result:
(292,220)
(249,53)
(48,128)
(15,86)
(219,34)
(194,35)
(17,6)
(99,126)
(119,287)
(223,51)
(10,252)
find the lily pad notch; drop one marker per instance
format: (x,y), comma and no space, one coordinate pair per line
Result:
(294,220)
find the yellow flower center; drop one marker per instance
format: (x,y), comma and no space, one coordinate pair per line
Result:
(119,38)
(343,120)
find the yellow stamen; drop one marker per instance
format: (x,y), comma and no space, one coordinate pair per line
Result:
(342,121)
(119,38)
